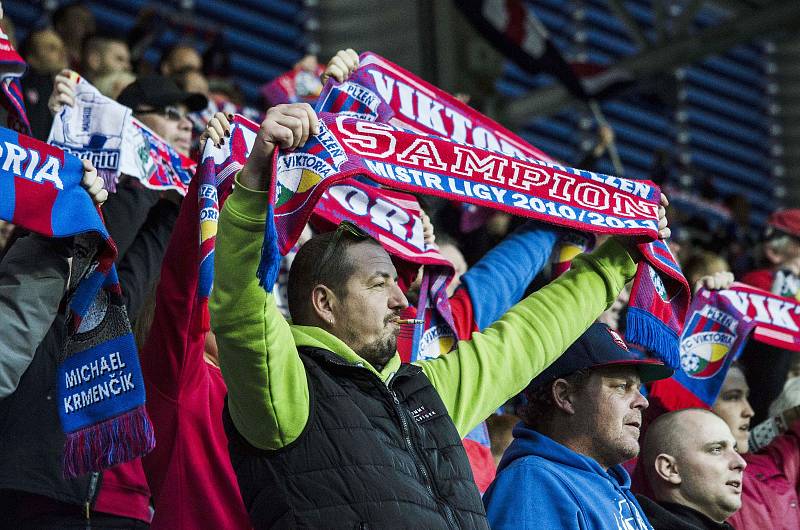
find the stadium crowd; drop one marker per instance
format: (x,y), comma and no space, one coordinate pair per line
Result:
(299,407)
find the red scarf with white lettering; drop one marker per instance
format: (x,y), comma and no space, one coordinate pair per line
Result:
(777,317)
(394,220)
(346,147)
(383,92)
(391,217)
(719,324)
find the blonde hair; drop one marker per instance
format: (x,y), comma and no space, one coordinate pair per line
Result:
(702,264)
(789,398)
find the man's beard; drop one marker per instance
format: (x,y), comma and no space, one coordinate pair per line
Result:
(380,351)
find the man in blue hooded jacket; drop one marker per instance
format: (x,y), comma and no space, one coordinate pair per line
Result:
(582,420)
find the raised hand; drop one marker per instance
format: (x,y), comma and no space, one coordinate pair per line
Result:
(217,129)
(341,66)
(93,184)
(287,126)
(663,229)
(63,92)
(428,234)
(715,282)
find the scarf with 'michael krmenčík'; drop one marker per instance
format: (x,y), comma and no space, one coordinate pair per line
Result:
(100,388)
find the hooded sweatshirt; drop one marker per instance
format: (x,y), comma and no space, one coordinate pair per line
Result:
(542,484)
(268,394)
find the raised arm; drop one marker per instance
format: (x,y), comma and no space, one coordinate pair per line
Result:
(485,371)
(509,268)
(268,396)
(172,356)
(33,278)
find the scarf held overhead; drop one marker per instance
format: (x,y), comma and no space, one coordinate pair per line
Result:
(99,129)
(429,165)
(382,91)
(777,318)
(392,218)
(99,383)
(715,332)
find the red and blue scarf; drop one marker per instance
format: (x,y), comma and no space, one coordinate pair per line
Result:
(582,200)
(392,218)
(12,66)
(381,91)
(714,334)
(100,394)
(719,323)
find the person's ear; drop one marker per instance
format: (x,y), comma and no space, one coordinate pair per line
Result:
(93,61)
(563,395)
(773,256)
(666,467)
(323,303)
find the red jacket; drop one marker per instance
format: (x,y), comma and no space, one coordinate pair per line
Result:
(761,278)
(189,471)
(769,489)
(124,492)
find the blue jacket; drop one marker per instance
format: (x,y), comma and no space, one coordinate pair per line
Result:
(543,485)
(508,268)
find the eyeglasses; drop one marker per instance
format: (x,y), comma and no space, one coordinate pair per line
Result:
(169,112)
(345,228)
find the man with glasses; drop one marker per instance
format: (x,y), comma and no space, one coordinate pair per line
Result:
(159,103)
(327,427)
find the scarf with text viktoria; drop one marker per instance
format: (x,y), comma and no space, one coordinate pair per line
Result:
(100,391)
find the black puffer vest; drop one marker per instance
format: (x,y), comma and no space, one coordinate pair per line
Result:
(371,456)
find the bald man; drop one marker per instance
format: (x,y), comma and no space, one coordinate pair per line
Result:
(694,471)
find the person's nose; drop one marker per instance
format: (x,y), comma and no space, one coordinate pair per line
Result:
(185,124)
(737,462)
(639,401)
(397,300)
(747,412)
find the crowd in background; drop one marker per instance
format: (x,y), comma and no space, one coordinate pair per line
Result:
(569,464)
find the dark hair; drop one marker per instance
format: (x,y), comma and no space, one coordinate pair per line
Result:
(316,263)
(26,46)
(61,12)
(170,52)
(99,42)
(540,408)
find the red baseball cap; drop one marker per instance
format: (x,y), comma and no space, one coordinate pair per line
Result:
(786,221)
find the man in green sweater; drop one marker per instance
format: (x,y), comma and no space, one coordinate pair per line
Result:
(327,428)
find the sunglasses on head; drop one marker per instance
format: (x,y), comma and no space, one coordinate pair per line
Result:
(345,228)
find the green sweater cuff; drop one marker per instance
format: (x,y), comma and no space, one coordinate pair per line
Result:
(612,257)
(248,206)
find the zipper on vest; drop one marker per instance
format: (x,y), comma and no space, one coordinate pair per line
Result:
(93,479)
(419,462)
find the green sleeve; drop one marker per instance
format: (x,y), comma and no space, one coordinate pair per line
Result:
(267,387)
(494,365)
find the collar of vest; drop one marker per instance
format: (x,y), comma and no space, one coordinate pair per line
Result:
(322,355)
